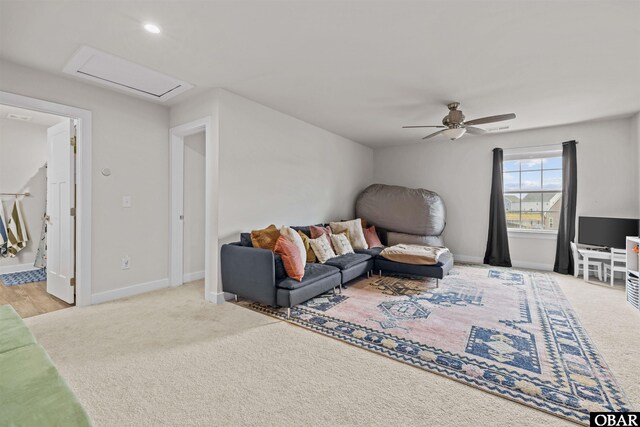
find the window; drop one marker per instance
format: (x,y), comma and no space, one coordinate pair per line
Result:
(533,189)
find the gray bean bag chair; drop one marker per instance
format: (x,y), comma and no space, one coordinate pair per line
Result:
(412,216)
(394,238)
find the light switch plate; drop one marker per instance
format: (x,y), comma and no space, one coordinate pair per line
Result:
(126,201)
(125,262)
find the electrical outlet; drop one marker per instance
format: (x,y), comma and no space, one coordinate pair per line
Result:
(126,201)
(125,262)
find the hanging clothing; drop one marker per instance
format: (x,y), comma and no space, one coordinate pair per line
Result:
(17,230)
(4,238)
(41,255)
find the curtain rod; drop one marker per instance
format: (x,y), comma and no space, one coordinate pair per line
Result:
(15,194)
(544,145)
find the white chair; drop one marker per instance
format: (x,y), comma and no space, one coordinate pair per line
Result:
(618,264)
(578,263)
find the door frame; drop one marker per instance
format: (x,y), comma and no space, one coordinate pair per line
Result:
(83,182)
(213,291)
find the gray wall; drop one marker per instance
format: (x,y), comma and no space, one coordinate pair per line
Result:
(129,137)
(275,168)
(23,160)
(635,132)
(278,169)
(460,171)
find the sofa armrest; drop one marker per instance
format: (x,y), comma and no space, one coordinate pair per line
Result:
(249,272)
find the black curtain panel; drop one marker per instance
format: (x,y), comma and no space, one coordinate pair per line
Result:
(497,252)
(567,224)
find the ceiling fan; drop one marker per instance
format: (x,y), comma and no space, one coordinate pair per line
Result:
(455,126)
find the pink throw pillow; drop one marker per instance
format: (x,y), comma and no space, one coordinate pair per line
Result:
(372,238)
(291,258)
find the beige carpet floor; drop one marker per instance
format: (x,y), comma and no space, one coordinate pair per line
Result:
(167,358)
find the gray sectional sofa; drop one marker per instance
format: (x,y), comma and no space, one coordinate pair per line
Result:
(259,275)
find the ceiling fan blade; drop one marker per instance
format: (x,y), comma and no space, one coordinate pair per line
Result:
(433,134)
(409,127)
(490,119)
(475,131)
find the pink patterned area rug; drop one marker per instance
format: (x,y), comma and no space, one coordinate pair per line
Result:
(506,331)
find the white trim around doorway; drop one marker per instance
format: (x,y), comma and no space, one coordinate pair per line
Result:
(213,289)
(83,182)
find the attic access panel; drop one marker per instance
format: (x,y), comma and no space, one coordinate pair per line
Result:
(109,70)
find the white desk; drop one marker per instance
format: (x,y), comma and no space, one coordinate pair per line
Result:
(588,254)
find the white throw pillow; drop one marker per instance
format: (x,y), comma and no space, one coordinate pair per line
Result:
(356,235)
(341,244)
(293,236)
(322,248)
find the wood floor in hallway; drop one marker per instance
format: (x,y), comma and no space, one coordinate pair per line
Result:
(30,299)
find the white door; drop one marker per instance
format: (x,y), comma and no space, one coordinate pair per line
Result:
(60,201)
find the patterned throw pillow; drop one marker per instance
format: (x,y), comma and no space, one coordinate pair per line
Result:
(265,238)
(295,238)
(356,235)
(341,244)
(293,261)
(346,233)
(317,231)
(311,257)
(372,238)
(322,249)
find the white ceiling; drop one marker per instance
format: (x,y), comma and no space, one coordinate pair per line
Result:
(362,69)
(35,117)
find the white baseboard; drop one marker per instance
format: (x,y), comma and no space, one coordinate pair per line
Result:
(532,265)
(7,269)
(229,296)
(515,263)
(129,291)
(190,277)
(468,258)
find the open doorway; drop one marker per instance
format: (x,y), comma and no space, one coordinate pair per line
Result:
(37,210)
(79,194)
(189,180)
(194,207)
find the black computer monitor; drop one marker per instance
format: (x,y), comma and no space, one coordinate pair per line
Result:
(607,232)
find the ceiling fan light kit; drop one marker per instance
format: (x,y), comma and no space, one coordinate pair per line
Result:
(454,133)
(455,126)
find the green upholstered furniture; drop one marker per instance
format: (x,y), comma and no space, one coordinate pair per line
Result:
(32,392)
(13,332)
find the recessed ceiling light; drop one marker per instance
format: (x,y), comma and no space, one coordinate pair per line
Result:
(152,28)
